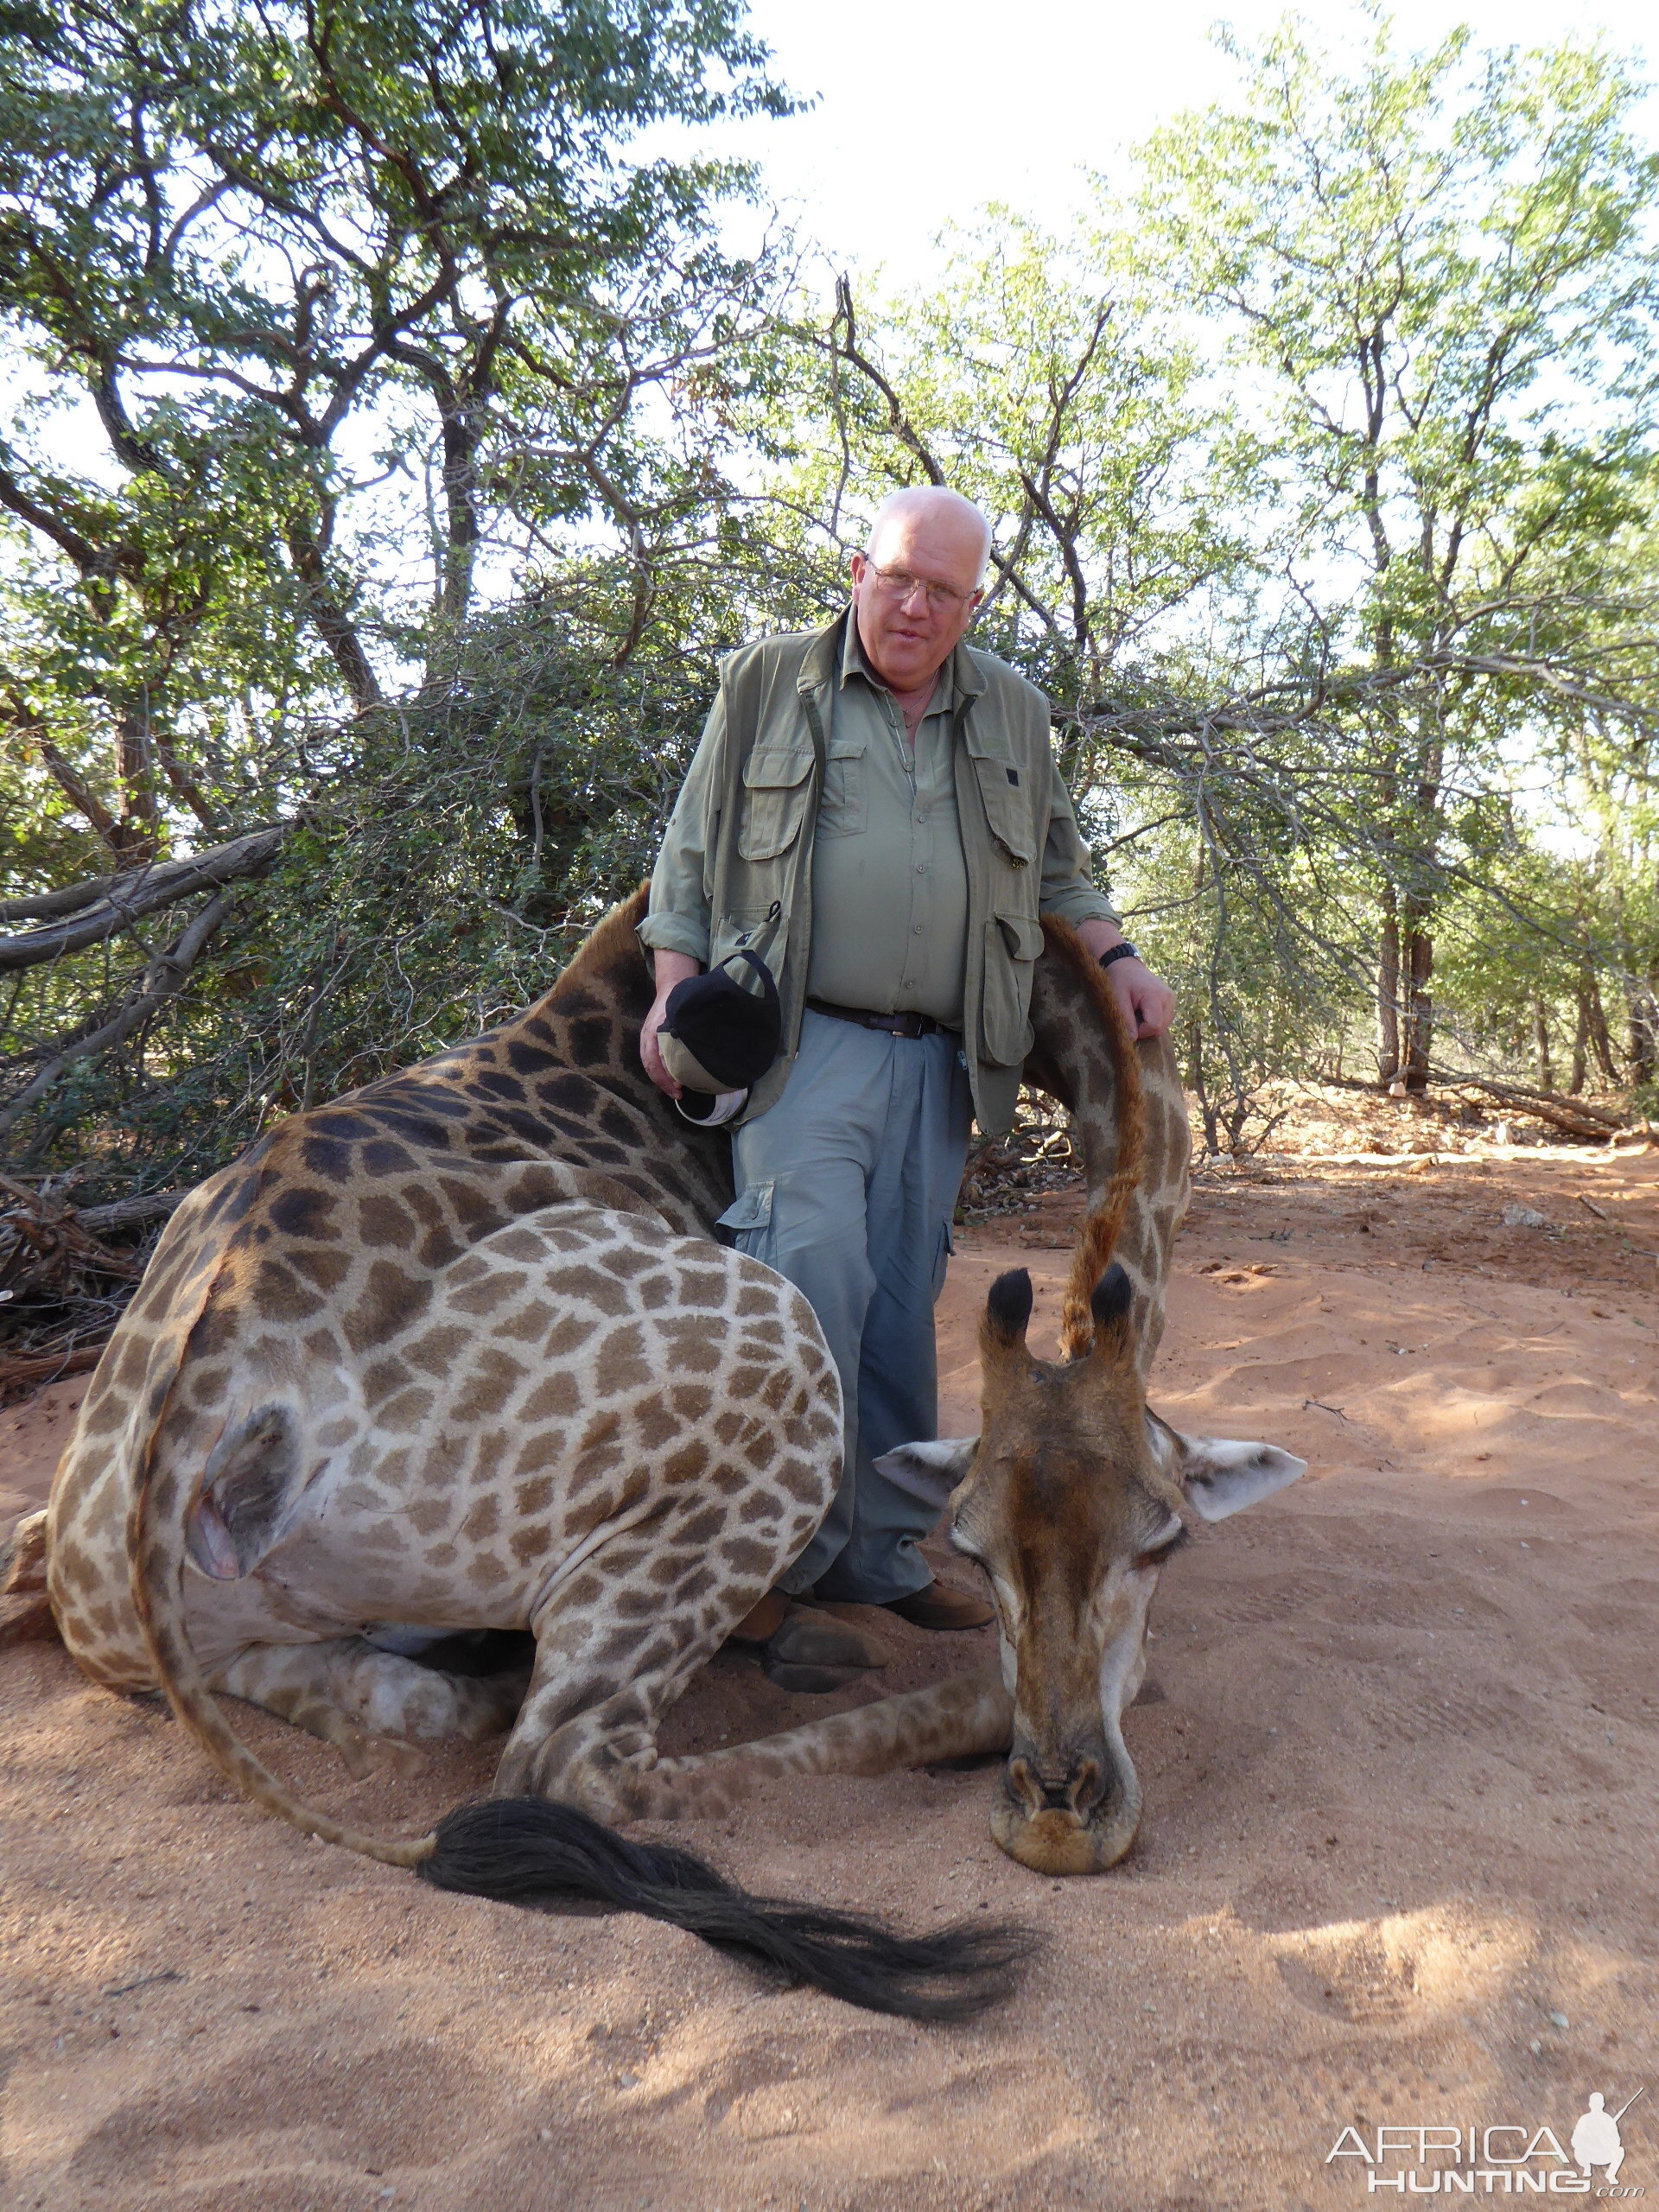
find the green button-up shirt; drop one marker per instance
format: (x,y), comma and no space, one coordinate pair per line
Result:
(889,881)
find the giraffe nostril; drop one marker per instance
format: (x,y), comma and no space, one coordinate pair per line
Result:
(1077,1792)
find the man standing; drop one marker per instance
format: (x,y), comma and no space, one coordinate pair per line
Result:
(874,811)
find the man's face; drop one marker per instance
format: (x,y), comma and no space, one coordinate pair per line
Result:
(908,633)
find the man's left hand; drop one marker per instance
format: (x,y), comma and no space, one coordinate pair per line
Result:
(1148,1003)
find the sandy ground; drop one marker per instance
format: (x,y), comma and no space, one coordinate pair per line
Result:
(1398,1864)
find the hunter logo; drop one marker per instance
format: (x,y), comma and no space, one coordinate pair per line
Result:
(1504,2159)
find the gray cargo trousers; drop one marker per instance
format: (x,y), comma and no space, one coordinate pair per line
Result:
(846,1186)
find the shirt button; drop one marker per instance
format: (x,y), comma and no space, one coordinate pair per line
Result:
(918,928)
(921,867)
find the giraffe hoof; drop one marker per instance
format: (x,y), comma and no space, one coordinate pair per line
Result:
(366,1756)
(810,1651)
(810,1679)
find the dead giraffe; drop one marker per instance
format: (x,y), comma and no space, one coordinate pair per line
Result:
(456,1351)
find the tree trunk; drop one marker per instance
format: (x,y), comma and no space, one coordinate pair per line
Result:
(138,828)
(1207,1111)
(1599,1037)
(1541,1041)
(1644,1032)
(1388,993)
(1580,1040)
(1419,1025)
(329,619)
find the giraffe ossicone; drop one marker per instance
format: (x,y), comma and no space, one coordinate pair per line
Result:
(458,1352)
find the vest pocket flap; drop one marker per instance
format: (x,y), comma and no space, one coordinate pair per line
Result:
(769,769)
(1007,809)
(1012,945)
(1022,934)
(774,802)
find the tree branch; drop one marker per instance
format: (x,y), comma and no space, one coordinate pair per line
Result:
(164,976)
(143,891)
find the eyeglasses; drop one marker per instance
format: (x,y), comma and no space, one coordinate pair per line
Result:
(899,583)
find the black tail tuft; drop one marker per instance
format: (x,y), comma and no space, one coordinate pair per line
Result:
(530,1850)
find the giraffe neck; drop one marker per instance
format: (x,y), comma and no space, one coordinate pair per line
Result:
(562,1080)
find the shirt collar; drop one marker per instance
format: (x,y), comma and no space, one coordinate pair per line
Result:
(853,662)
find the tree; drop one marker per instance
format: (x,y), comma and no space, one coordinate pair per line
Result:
(325,291)
(1438,285)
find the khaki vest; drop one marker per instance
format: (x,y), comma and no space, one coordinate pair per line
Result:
(777,697)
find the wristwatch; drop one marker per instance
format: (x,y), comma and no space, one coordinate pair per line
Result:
(1123,952)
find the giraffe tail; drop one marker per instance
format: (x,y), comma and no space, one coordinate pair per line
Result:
(156,1547)
(1097,1238)
(533,1850)
(530,1851)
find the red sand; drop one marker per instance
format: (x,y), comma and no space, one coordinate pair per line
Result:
(1397,1865)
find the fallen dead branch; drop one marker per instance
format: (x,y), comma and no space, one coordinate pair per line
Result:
(61,1286)
(163,978)
(33,1370)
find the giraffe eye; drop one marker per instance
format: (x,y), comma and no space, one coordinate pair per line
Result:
(1163,1547)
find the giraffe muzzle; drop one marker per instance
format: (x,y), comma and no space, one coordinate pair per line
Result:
(1076,1816)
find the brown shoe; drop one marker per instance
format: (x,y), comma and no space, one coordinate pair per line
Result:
(937,1605)
(762,1621)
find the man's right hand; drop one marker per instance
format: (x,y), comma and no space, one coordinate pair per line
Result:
(672,968)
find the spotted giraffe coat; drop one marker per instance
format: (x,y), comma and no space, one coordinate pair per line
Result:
(459,1351)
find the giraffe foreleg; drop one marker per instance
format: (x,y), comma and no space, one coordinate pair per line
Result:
(356,1698)
(969,1717)
(617,1642)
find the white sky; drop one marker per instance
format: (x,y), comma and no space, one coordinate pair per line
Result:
(927,108)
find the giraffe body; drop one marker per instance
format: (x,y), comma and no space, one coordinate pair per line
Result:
(459,1351)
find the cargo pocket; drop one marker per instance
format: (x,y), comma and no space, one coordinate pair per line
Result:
(746,1223)
(843,812)
(1012,945)
(760,930)
(775,787)
(1007,804)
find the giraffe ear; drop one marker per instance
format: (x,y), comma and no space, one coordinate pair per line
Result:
(929,1471)
(1007,1312)
(1218,1476)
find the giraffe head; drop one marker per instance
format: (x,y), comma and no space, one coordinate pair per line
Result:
(1072,1498)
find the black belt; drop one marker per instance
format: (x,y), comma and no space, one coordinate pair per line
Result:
(890,1025)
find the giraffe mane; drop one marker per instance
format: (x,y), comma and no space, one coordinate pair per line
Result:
(1097,1238)
(612,939)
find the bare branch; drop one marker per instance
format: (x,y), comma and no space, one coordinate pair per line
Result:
(143,891)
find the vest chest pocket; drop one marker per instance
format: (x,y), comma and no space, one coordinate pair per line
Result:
(1008,809)
(844,809)
(1012,945)
(775,789)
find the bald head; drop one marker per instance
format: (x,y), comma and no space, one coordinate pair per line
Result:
(915,591)
(943,519)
